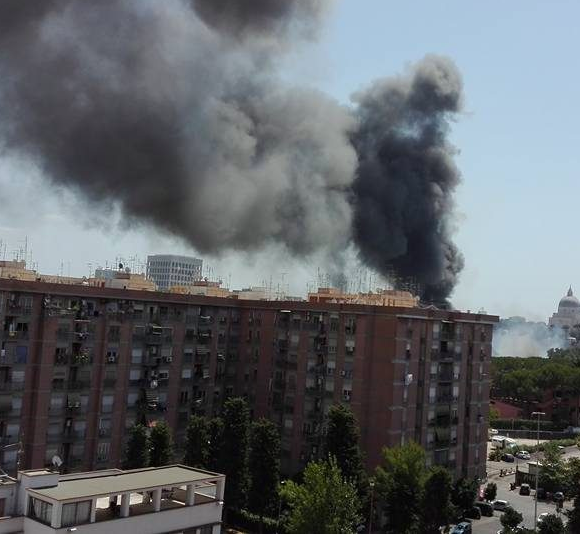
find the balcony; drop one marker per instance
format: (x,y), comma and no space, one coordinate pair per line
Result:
(78,385)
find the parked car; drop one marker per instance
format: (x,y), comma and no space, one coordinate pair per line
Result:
(541,517)
(525,489)
(558,496)
(523,455)
(500,505)
(508,458)
(561,449)
(473,513)
(462,528)
(485,508)
(541,493)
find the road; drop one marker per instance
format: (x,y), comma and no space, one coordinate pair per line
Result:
(523,504)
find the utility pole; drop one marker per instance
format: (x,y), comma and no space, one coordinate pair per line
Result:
(539,415)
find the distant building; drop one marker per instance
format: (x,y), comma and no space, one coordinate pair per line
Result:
(121,279)
(382,297)
(167,270)
(145,501)
(568,314)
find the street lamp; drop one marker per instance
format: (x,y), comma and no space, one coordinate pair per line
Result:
(279,507)
(539,414)
(372,485)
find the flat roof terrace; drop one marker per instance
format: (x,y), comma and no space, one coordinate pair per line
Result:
(125,482)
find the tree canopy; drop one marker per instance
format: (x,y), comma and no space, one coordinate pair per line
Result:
(436,508)
(510,518)
(264,465)
(342,443)
(161,445)
(197,442)
(137,451)
(325,503)
(551,524)
(400,481)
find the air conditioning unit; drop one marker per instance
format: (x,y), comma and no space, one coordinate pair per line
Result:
(112,359)
(343,373)
(168,359)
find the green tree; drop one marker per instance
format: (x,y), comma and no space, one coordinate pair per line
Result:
(574,515)
(161,443)
(264,464)
(493,415)
(325,503)
(510,519)
(215,430)
(137,451)
(552,473)
(234,451)
(490,491)
(197,442)
(551,524)
(436,508)
(400,482)
(464,494)
(342,443)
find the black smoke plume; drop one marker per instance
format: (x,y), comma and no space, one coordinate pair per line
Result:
(173,111)
(406,177)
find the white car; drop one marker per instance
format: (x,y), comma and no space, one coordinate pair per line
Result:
(523,455)
(541,517)
(500,505)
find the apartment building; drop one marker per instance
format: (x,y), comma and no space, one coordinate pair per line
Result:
(168,270)
(174,499)
(79,365)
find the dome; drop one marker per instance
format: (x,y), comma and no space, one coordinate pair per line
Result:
(569,301)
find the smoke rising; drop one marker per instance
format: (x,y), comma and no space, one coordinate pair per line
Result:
(520,338)
(406,176)
(174,111)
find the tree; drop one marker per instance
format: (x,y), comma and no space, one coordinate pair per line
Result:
(436,507)
(197,442)
(215,430)
(552,472)
(510,518)
(325,503)
(264,464)
(490,492)
(342,443)
(493,415)
(234,451)
(161,445)
(574,515)
(137,451)
(464,494)
(551,524)
(400,485)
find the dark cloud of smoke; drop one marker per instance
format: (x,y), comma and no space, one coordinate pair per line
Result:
(263,17)
(146,105)
(406,176)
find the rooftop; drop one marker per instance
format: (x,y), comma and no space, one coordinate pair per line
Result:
(124,482)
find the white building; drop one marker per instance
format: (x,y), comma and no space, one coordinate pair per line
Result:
(568,313)
(176,499)
(167,270)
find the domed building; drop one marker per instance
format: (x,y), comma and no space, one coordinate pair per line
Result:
(568,313)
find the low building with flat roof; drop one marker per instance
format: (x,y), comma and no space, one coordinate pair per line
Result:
(176,499)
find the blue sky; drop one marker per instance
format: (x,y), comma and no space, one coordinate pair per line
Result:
(518,139)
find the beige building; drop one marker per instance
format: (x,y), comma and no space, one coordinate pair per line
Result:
(382,297)
(568,313)
(173,498)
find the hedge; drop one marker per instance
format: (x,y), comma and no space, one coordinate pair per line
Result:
(526,424)
(248,521)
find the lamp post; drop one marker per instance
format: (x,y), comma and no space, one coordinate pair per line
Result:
(372,485)
(539,414)
(280,506)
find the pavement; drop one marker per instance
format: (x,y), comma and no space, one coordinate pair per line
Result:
(523,504)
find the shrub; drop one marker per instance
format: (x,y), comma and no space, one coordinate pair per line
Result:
(251,522)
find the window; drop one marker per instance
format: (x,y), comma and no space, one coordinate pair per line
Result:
(206,530)
(76,513)
(186,374)
(40,510)
(136,356)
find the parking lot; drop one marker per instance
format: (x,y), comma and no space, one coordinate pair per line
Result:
(523,504)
